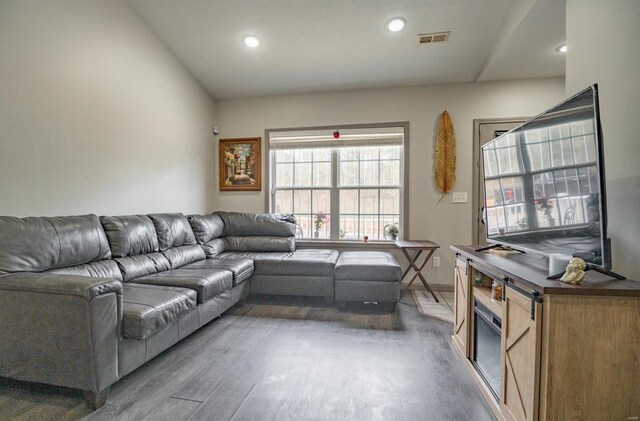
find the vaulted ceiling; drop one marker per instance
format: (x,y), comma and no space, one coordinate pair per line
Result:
(327,45)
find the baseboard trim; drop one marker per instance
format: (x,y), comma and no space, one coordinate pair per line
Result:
(436,287)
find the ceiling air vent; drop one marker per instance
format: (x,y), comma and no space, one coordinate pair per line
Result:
(433,38)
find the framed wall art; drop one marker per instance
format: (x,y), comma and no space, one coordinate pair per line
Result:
(240,164)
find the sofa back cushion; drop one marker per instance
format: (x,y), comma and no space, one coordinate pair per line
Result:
(260,244)
(39,244)
(176,239)
(208,230)
(130,235)
(206,227)
(260,232)
(134,245)
(173,230)
(241,224)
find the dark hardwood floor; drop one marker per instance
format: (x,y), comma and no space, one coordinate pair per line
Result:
(284,359)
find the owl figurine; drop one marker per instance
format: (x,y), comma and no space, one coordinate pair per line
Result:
(575,271)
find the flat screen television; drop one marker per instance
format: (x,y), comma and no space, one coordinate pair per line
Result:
(544,183)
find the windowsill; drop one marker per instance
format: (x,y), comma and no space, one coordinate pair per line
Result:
(345,244)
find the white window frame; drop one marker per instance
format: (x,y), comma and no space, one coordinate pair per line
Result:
(335,188)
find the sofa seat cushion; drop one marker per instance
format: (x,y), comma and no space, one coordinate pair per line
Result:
(242,269)
(206,282)
(305,262)
(150,308)
(375,266)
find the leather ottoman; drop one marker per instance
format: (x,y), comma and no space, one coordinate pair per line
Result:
(371,276)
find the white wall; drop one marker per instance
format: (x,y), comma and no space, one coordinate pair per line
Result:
(96,115)
(603,40)
(441,222)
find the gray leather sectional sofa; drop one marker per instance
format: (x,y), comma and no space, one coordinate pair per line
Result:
(86,300)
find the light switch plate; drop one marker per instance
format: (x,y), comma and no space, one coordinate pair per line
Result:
(436,261)
(459,197)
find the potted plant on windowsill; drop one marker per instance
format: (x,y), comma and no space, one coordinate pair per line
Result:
(319,221)
(391,231)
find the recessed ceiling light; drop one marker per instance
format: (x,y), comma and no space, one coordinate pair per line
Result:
(251,41)
(396,24)
(562,48)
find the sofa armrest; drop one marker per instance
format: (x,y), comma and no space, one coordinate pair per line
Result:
(60,284)
(60,329)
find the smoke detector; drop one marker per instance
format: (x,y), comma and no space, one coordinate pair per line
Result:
(433,37)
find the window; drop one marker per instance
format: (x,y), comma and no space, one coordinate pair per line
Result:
(339,188)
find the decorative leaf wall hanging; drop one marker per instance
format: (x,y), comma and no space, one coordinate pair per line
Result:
(445,156)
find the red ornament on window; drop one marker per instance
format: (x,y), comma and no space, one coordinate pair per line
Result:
(336,134)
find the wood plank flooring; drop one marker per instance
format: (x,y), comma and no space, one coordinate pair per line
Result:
(283,358)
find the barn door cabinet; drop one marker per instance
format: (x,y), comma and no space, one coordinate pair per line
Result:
(461,301)
(566,351)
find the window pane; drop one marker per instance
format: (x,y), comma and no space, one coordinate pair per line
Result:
(389,201)
(322,174)
(390,152)
(283,201)
(349,173)
(390,173)
(348,154)
(304,222)
(368,201)
(321,201)
(349,227)
(349,201)
(302,201)
(321,224)
(322,154)
(369,225)
(386,221)
(302,175)
(369,173)
(303,155)
(284,175)
(369,153)
(285,155)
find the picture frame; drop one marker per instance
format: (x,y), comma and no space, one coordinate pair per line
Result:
(240,164)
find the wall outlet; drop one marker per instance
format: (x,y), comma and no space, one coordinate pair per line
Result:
(436,262)
(459,197)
